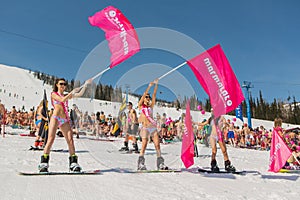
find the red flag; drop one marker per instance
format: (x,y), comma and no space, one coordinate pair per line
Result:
(122,38)
(187,147)
(216,76)
(279,153)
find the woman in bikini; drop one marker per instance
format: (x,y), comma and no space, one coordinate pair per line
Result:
(38,120)
(149,127)
(60,119)
(218,125)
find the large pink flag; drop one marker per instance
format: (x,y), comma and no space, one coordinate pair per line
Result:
(187,147)
(216,76)
(122,38)
(279,153)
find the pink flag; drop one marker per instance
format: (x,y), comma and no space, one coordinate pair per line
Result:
(187,147)
(279,153)
(122,38)
(214,73)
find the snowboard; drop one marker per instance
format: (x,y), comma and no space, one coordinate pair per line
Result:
(208,171)
(103,139)
(159,171)
(90,172)
(32,148)
(129,152)
(294,171)
(28,135)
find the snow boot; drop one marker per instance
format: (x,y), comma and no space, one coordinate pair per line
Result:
(141,163)
(136,148)
(36,143)
(41,144)
(125,148)
(43,166)
(74,167)
(161,164)
(229,167)
(214,166)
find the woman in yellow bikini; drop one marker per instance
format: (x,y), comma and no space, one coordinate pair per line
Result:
(149,127)
(60,118)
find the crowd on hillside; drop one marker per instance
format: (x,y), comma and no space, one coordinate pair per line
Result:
(102,124)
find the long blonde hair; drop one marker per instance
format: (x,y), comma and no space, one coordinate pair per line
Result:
(277,122)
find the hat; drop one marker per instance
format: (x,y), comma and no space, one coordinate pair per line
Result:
(129,103)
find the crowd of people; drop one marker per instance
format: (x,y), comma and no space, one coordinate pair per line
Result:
(159,128)
(105,125)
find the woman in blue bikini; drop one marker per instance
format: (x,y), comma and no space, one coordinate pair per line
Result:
(60,118)
(38,120)
(149,127)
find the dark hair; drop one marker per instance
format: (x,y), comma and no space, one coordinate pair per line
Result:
(55,89)
(98,116)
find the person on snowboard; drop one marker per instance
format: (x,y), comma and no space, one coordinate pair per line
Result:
(218,125)
(60,119)
(149,127)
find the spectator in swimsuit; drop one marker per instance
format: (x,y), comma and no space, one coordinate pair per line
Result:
(38,120)
(60,118)
(216,135)
(132,129)
(2,118)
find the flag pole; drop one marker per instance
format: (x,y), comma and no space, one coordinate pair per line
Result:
(169,72)
(296,158)
(100,73)
(97,75)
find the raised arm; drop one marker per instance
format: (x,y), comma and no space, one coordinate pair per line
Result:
(82,90)
(154,93)
(145,93)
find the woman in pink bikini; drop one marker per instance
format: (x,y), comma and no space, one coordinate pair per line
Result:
(149,127)
(60,119)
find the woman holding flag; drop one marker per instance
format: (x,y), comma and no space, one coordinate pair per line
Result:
(60,119)
(149,127)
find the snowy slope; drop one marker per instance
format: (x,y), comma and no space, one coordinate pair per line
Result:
(113,184)
(19,88)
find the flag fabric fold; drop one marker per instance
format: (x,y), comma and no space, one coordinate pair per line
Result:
(214,73)
(279,152)
(187,146)
(121,36)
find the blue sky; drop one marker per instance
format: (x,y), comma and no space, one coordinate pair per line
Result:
(260,38)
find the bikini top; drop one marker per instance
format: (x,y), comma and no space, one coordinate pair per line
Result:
(147,111)
(63,104)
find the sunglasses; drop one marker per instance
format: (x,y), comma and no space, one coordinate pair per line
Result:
(148,97)
(63,84)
